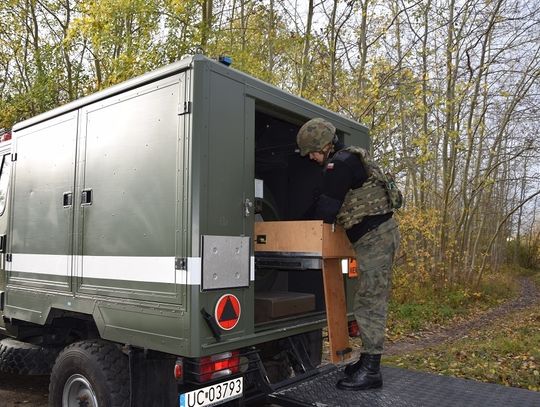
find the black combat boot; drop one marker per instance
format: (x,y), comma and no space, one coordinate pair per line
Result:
(352,368)
(367,376)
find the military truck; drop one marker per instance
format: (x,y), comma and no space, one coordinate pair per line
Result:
(128,268)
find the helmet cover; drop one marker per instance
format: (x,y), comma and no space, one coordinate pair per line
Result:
(314,135)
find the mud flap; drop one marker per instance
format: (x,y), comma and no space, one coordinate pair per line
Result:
(152,379)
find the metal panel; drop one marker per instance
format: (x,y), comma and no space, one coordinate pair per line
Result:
(225,262)
(130,162)
(43,172)
(225,204)
(5,173)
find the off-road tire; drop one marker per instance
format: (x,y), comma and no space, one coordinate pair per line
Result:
(23,358)
(101,364)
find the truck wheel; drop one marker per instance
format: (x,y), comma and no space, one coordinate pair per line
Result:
(23,358)
(90,374)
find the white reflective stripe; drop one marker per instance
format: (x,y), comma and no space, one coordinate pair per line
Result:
(130,268)
(194,267)
(57,265)
(133,268)
(252,268)
(345,266)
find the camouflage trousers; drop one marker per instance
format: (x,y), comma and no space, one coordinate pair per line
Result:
(375,253)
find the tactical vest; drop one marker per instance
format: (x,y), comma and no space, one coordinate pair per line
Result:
(377,196)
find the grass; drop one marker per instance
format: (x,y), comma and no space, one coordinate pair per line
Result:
(534,274)
(506,352)
(425,308)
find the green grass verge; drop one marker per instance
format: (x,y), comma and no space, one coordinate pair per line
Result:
(508,353)
(424,308)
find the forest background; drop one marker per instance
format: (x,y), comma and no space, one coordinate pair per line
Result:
(448,88)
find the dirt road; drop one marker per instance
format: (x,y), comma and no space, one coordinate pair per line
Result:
(16,391)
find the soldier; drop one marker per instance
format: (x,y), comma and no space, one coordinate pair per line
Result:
(357,195)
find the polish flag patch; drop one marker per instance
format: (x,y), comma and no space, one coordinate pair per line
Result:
(330,166)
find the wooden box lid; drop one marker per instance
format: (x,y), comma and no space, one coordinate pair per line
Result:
(312,237)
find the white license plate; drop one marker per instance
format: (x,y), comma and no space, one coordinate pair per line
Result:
(213,395)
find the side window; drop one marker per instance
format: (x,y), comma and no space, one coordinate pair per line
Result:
(4,181)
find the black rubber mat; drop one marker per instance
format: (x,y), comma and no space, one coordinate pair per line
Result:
(409,388)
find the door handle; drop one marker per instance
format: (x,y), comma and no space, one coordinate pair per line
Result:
(67,199)
(86,197)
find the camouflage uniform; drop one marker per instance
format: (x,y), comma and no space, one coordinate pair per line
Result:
(375,253)
(368,222)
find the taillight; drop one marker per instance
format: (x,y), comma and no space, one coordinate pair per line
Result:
(353,272)
(348,266)
(216,366)
(178,369)
(354,329)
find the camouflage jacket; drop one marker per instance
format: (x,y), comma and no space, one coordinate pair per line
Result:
(368,200)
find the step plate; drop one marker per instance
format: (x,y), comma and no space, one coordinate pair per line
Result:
(408,388)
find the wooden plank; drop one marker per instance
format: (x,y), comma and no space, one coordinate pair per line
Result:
(311,236)
(336,309)
(289,236)
(336,243)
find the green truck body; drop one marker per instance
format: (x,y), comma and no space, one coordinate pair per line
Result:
(133,209)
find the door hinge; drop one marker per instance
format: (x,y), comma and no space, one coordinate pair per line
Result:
(9,257)
(184,108)
(180,263)
(13,157)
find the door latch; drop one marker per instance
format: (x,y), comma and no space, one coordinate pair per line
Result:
(67,199)
(86,197)
(247,207)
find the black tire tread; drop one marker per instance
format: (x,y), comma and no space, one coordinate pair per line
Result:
(23,358)
(109,360)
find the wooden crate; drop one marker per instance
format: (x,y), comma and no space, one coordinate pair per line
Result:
(311,236)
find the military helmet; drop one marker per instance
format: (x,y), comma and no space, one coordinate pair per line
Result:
(314,135)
